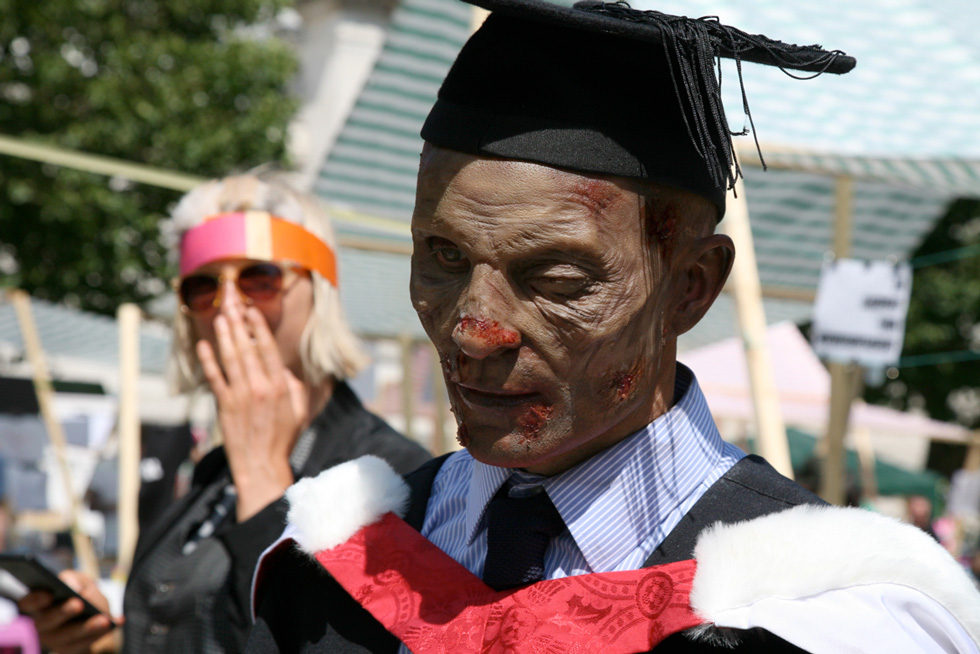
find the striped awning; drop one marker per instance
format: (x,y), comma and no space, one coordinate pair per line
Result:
(950,175)
(372,166)
(71,336)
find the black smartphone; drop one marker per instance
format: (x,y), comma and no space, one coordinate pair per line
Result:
(34,575)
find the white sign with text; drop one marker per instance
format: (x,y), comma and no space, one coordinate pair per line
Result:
(860,311)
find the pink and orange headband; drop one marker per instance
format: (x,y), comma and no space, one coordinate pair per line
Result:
(255,235)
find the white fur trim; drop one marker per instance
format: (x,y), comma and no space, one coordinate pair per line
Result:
(326,510)
(808,550)
(859,619)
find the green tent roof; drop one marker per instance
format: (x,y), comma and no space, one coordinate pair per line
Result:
(890,478)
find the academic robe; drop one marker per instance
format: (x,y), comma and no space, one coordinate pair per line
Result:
(301,608)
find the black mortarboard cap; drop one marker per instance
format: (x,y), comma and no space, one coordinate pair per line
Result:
(602,88)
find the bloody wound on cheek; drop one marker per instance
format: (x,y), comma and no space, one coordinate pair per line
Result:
(489,331)
(624,384)
(533,420)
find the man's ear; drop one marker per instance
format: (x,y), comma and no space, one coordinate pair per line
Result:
(700,280)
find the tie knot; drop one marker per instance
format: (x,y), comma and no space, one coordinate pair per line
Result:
(530,512)
(518,531)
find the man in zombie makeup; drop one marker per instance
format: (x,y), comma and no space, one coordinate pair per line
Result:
(575,166)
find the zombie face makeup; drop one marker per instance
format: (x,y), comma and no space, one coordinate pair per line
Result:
(551,313)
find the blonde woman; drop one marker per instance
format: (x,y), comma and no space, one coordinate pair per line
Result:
(260,322)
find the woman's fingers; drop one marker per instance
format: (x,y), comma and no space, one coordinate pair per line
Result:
(267,348)
(212,370)
(228,351)
(245,345)
(249,356)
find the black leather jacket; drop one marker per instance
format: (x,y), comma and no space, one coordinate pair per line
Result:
(200,602)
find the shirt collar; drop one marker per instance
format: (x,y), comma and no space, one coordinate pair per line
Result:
(615,500)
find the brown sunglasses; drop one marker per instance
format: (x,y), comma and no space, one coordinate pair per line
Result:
(257,283)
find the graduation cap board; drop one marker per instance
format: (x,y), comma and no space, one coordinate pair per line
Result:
(605,89)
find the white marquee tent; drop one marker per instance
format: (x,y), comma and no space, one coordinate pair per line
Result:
(803,388)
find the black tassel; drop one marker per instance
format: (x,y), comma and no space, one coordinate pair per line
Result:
(693,46)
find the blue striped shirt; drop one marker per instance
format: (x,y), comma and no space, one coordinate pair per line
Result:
(618,505)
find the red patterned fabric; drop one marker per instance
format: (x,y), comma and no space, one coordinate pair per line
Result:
(435,605)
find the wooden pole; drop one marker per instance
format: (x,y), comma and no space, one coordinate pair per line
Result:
(843,376)
(843,216)
(408,399)
(129,436)
(87,560)
(747,290)
(866,457)
(171,179)
(972,460)
(844,382)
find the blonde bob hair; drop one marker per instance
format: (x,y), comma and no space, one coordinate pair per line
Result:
(328,347)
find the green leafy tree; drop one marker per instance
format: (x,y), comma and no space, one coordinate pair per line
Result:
(942,335)
(197,86)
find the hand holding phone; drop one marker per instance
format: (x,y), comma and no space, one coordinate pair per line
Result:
(69,617)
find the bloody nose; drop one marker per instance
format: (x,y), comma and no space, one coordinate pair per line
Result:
(479,338)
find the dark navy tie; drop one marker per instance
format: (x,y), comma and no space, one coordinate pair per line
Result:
(518,532)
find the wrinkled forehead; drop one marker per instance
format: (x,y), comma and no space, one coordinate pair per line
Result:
(662,213)
(514,210)
(442,169)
